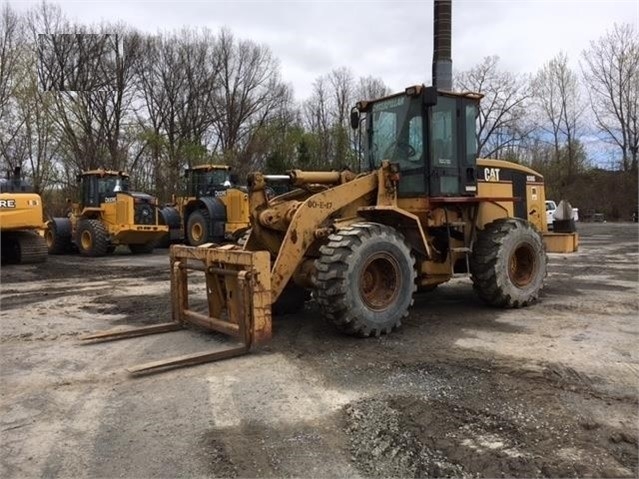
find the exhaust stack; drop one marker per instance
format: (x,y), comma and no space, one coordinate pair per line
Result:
(442,33)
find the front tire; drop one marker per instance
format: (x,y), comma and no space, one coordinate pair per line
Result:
(365,279)
(197,228)
(92,238)
(509,263)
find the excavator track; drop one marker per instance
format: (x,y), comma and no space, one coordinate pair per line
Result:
(23,247)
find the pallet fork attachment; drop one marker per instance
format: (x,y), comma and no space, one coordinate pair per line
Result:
(238,297)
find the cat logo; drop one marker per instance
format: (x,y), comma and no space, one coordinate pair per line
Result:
(491,174)
(7,203)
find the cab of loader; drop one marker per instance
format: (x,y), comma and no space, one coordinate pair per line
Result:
(100,186)
(207,180)
(429,134)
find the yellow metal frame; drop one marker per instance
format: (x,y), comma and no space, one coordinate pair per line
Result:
(238,298)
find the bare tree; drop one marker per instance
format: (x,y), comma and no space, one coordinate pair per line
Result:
(370,88)
(342,85)
(176,81)
(38,132)
(11,39)
(27,135)
(611,72)
(317,120)
(91,113)
(11,36)
(249,93)
(503,110)
(556,89)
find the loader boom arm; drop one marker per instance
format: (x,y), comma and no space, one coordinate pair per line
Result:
(307,220)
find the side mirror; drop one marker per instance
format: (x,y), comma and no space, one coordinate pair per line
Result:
(429,96)
(354,118)
(68,200)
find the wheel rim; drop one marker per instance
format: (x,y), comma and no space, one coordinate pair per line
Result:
(380,281)
(48,237)
(196,231)
(85,240)
(522,265)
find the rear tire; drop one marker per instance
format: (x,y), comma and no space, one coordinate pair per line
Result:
(509,263)
(57,241)
(170,217)
(197,228)
(92,238)
(365,279)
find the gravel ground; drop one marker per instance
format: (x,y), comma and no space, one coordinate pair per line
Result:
(461,390)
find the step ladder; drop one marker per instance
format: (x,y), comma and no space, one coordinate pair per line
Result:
(469,239)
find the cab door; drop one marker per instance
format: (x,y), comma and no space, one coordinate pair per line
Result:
(453,147)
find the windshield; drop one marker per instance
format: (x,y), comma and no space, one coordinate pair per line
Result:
(395,132)
(216,177)
(107,185)
(206,183)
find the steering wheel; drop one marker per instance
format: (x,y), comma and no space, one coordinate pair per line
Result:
(400,145)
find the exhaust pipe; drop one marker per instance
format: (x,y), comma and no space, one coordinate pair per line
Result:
(442,57)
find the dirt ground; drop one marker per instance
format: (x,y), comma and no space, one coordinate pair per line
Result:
(460,390)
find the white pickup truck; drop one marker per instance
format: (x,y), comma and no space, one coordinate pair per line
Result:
(551,206)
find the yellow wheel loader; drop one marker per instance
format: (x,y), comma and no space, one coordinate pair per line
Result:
(210,208)
(21,222)
(107,215)
(363,244)
(423,210)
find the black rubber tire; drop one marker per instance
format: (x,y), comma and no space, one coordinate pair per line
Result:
(144,248)
(95,231)
(56,242)
(169,216)
(340,272)
(198,219)
(509,263)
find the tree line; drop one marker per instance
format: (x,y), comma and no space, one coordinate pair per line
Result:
(75,97)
